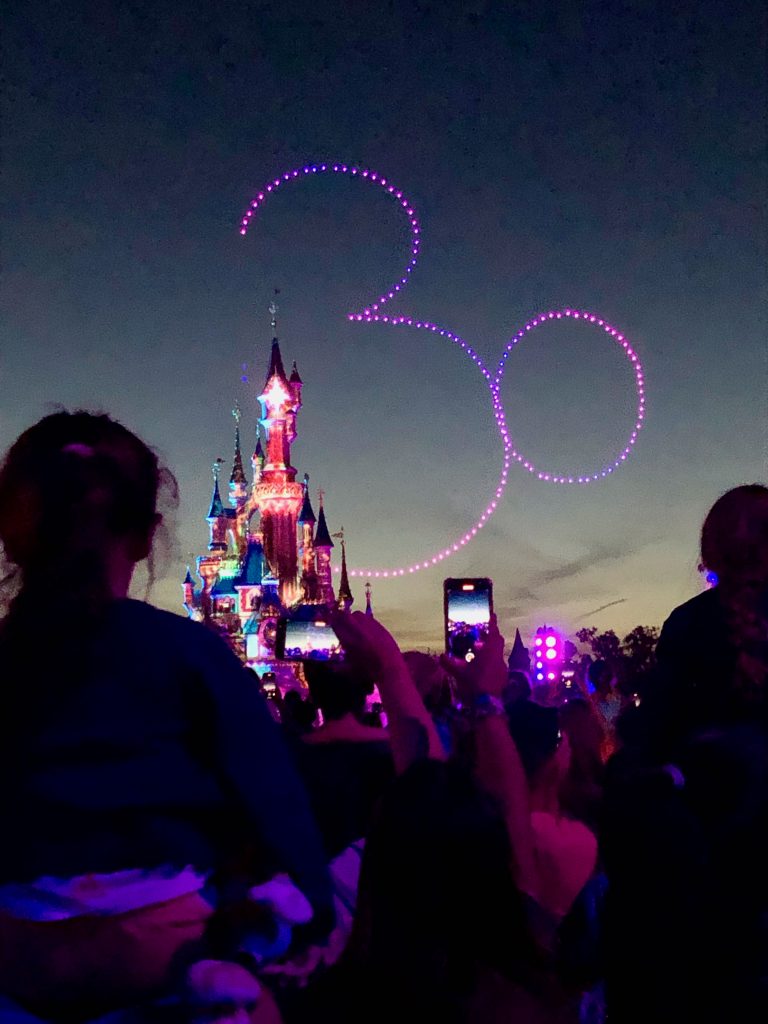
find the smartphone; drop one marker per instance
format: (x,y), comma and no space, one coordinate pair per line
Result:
(299,640)
(468,605)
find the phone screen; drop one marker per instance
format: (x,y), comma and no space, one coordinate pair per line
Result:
(301,641)
(468,607)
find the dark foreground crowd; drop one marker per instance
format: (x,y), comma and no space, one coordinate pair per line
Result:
(176,849)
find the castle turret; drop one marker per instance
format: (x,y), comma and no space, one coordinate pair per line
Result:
(238,484)
(277,495)
(238,493)
(345,599)
(296,384)
(307,523)
(188,588)
(323,548)
(218,520)
(258,459)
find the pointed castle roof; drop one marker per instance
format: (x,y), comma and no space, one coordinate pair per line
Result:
(188,578)
(307,514)
(238,473)
(345,593)
(217,505)
(259,451)
(519,658)
(252,571)
(322,536)
(276,367)
(295,378)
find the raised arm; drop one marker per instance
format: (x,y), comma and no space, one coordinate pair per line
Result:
(498,766)
(368,645)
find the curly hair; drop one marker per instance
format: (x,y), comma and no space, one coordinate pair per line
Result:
(734,545)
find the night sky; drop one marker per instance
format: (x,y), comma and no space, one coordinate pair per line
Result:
(606,156)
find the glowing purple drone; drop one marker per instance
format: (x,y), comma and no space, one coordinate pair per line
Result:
(371,314)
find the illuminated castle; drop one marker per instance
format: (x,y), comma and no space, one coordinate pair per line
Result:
(268,554)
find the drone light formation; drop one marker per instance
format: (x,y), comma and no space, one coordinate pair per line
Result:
(370,314)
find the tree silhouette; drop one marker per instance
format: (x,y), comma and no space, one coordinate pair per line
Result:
(628,658)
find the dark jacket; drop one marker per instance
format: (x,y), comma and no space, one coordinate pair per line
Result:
(345,781)
(691,690)
(163,753)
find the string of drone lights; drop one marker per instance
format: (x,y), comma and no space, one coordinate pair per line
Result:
(510,454)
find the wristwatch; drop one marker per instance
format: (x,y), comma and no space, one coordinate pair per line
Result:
(485,705)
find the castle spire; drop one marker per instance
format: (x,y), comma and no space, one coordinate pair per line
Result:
(276,367)
(322,548)
(368,607)
(188,589)
(322,535)
(307,514)
(258,452)
(238,473)
(345,598)
(217,505)
(217,516)
(276,494)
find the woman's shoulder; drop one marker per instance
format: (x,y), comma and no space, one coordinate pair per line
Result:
(179,636)
(694,641)
(703,608)
(141,613)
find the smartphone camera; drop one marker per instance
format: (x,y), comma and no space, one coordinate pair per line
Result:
(307,640)
(468,605)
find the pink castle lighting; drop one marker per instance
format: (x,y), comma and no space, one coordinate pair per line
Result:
(370,314)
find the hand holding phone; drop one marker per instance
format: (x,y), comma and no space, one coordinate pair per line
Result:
(307,640)
(487,672)
(468,606)
(366,641)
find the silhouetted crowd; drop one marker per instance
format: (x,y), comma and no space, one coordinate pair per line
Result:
(406,838)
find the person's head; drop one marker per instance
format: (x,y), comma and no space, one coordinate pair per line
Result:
(544,750)
(296,712)
(78,507)
(336,689)
(437,895)
(518,687)
(601,677)
(734,545)
(584,730)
